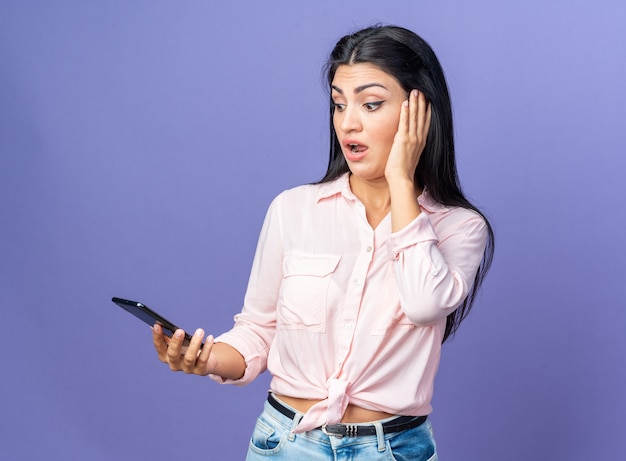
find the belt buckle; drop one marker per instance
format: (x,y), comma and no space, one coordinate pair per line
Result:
(341,430)
(339,435)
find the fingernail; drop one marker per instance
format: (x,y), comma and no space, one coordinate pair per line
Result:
(405,103)
(178,334)
(199,332)
(415,92)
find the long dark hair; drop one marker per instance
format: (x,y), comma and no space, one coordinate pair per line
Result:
(407,57)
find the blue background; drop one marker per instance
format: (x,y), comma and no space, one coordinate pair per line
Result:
(141,143)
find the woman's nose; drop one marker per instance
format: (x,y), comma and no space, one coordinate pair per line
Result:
(350,120)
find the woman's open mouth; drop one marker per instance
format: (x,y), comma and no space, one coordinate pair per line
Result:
(356,148)
(354,151)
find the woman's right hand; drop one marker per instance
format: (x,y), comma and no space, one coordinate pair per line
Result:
(196,359)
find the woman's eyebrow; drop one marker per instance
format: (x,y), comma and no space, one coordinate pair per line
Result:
(359,89)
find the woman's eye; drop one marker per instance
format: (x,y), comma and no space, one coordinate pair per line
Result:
(339,107)
(372,106)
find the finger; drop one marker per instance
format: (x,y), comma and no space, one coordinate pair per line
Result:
(174,350)
(191,355)
(426,127)
(159,343)
(414,111)
(403,123)
(424,120)
(205,353)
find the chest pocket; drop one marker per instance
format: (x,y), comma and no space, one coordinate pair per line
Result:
(304,291)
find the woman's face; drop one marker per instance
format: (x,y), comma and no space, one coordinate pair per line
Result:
(367,104)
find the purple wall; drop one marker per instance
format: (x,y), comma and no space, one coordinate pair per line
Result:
(141,142)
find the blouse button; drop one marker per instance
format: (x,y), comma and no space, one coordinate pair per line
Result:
(369,249)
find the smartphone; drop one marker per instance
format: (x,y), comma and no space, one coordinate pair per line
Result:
(143,312)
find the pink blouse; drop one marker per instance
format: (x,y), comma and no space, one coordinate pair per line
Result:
(343,313)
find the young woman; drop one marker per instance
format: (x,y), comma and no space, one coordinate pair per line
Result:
(358,279)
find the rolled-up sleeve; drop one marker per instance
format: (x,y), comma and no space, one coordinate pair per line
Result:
(255,326)
(435,264)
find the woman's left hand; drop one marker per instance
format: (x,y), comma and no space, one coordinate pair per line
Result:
(410,138)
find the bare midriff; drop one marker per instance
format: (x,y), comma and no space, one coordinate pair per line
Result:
(352,415)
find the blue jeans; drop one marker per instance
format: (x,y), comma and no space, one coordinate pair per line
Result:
(273,437)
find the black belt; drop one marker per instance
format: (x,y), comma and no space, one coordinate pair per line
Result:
(399,424)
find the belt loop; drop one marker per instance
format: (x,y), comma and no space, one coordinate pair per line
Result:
(294,423)
(380,436)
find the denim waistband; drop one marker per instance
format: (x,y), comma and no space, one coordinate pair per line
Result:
(396,424)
